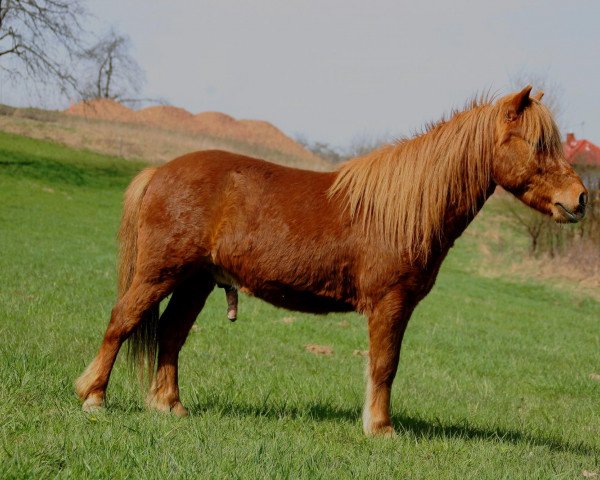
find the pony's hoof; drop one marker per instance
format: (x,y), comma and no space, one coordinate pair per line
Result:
(382,431)
(176,407)
(179,410)
(385,432)
(93,404)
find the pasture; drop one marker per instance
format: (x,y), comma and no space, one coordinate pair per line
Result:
(495,378)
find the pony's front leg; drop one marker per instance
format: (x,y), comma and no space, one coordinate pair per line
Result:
(387,324)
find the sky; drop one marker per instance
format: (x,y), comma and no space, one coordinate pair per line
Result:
(339,71)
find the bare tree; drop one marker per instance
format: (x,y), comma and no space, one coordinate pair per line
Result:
(533,222)
(38,39)
(360,145)
(114,73)
(364,143)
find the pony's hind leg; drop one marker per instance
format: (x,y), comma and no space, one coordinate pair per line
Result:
(174,325)
(128,313)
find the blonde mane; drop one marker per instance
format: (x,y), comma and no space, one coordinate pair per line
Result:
(401,193)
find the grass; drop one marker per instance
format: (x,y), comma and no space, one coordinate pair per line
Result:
(493,381)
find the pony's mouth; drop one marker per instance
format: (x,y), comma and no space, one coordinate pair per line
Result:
(568,215)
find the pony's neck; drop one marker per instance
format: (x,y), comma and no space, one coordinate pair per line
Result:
(418,194)
(466,143)
(457,220)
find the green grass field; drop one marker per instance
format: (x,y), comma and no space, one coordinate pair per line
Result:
(494,379)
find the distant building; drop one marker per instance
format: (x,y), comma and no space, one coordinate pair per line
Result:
(581,152)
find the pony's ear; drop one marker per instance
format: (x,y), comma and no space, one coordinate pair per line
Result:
(517,103)
(538,96)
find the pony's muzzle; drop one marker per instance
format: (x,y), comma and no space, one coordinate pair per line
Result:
(572,210)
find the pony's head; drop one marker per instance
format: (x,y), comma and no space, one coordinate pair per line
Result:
(529,160)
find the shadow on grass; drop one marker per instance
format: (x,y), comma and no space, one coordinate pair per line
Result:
(404,424)
(424,429)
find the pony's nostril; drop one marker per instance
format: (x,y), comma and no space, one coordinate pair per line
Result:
(583,199)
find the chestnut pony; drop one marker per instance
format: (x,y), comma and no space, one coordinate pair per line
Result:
(369,237)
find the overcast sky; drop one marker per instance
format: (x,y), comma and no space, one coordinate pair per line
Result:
(334,70)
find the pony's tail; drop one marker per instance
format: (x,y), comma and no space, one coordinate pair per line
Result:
(142,343)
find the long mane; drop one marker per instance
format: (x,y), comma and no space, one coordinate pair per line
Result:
(401,193)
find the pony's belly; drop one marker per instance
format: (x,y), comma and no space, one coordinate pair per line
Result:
(292,297)
(301,301)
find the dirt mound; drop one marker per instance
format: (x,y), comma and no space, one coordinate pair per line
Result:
(214,120)
(215,124)
(168,117)
(259,131)
(103,109)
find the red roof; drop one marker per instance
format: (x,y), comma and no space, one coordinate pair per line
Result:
(581,152)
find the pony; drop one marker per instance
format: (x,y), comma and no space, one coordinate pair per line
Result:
(369,237)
